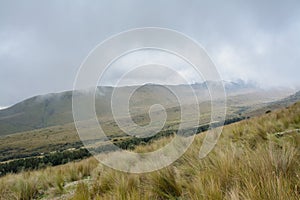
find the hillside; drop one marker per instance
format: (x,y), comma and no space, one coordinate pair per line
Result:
(267,107)
(64,136)
(56,109)
(254,159)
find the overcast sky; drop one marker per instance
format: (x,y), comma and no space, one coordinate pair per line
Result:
(42,43)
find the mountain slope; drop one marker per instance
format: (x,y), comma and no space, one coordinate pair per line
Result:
(56,109)
(279,104)
(254,159)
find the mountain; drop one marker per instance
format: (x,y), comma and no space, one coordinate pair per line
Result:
(230,87)
(56,108)
(278,104)
(36,112)
(290,100)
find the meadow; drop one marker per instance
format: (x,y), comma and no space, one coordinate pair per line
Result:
(256,158)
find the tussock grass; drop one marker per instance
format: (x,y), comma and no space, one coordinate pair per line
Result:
(251,161)
(82,192)
(165,184)
(26,187)
(47,182)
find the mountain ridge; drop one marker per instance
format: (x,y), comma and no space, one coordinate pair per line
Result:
(56,108)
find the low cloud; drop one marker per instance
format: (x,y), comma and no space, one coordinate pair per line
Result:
(42,44)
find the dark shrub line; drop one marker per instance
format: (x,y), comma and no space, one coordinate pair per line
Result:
(34,163)
(63,157)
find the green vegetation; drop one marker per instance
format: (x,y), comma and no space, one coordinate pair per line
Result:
(39,162)
(255,159)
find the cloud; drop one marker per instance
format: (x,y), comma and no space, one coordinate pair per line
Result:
(150,66)
(42,44)
(3,107)
(269,59)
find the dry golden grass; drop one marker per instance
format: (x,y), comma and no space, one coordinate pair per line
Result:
(251,161)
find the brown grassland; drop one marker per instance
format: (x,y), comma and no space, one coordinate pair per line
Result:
(254,159)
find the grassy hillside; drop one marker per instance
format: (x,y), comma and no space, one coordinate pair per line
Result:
(56,109)
(61,137)
(254,159)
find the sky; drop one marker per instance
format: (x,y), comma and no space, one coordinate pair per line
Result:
(43,43)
